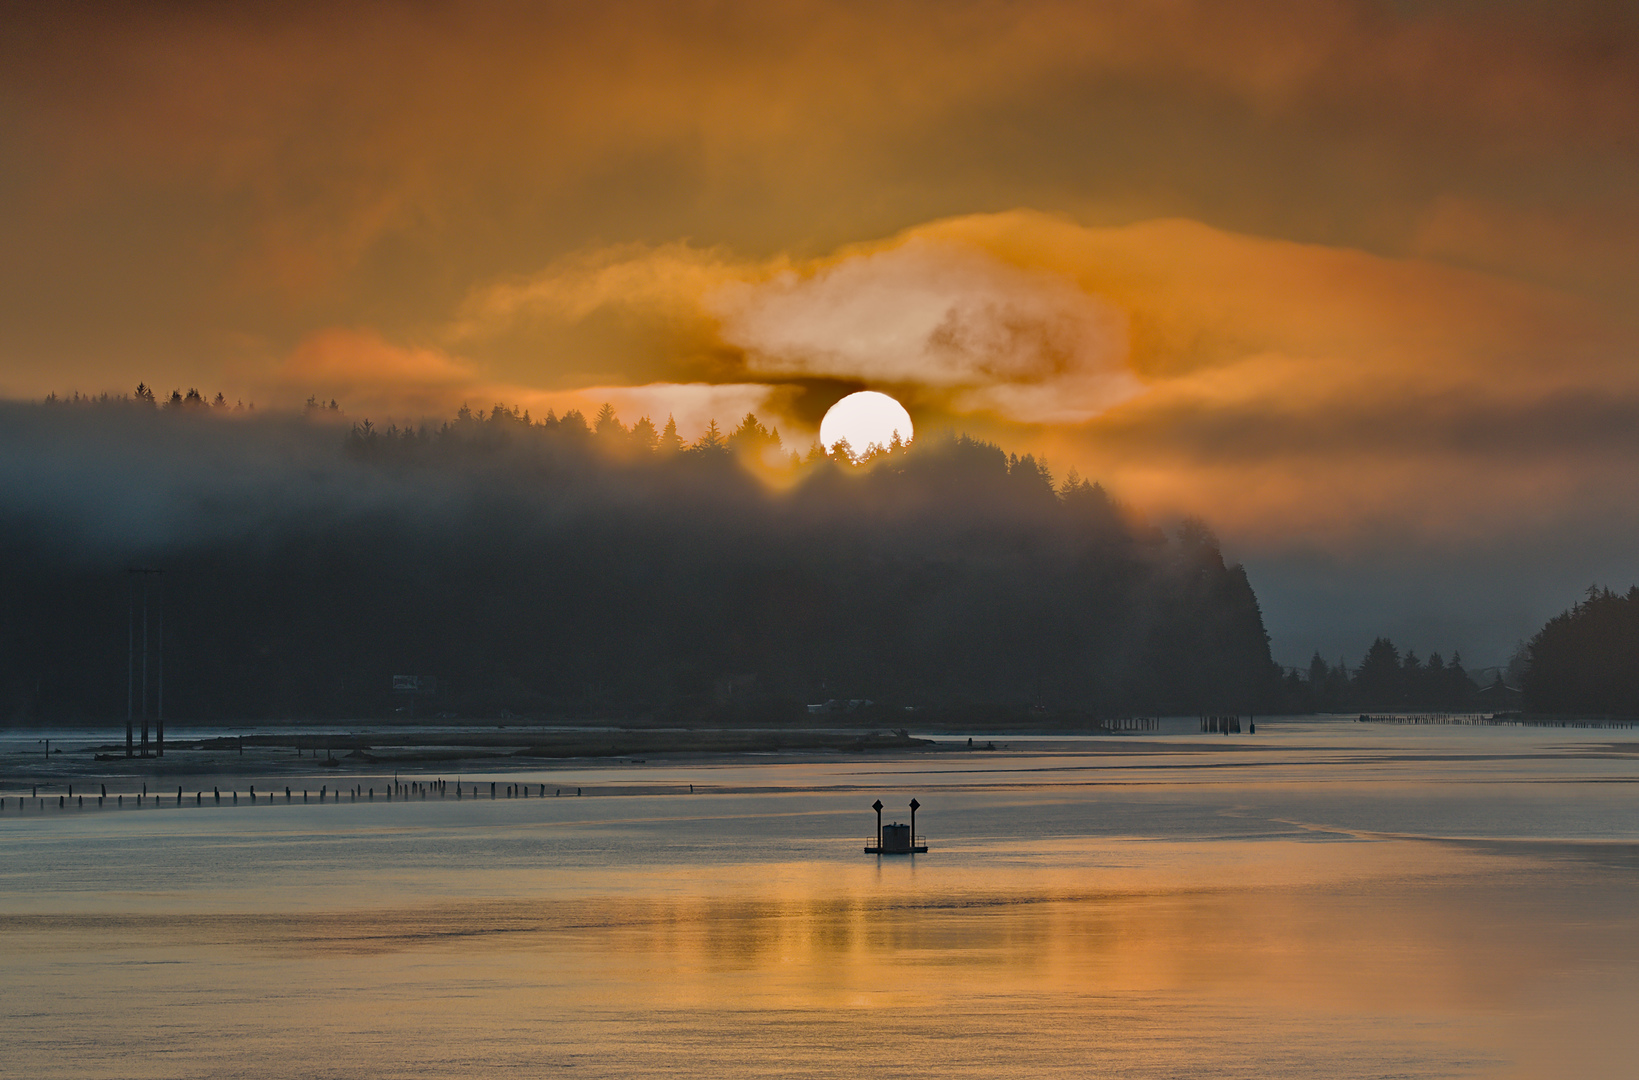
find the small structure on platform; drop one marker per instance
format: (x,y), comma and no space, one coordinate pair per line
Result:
(894,838)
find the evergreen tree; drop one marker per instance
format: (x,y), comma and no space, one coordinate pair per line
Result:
(645,437)
(608,426)
(711,440)
(1378,680)
(1318,671)
(751,438)
(573,425)
(670,441)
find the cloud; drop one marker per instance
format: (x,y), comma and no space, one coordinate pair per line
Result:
(1029,345)
(376,379)
(369,373)
(1280,388)
(943,321)
(666,278)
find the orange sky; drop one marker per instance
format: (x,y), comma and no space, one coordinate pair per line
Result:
(1336,275)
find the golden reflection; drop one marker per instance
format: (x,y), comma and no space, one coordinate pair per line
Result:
(1407,952)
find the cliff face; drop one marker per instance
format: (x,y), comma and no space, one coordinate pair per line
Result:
(534,572)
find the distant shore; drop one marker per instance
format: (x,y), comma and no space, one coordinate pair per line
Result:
(417,749)
(474,750)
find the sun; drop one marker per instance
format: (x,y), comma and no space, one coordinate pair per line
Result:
(864,419)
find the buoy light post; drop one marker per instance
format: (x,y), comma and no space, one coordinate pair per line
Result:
(877,806)
(914,805)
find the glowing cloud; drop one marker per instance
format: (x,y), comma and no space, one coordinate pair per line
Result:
(1026,344)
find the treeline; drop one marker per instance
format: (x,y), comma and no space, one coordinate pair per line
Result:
(556,567)
(1385,681)
(758,446)
(1585,661)
(144,397)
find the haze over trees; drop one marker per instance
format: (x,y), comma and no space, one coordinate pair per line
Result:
(555,567)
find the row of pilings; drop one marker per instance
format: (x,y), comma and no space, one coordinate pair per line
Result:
(401,790)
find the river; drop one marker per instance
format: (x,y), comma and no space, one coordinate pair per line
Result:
(1323,898)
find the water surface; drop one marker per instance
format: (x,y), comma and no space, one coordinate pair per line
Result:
(1322,899)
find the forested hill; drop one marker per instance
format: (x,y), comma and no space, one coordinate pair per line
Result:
(555,568)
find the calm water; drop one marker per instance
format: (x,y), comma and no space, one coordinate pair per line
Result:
(1335,900)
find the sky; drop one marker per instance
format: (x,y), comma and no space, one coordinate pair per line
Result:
(1354,281)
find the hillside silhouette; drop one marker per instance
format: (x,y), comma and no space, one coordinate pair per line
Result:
(556,567)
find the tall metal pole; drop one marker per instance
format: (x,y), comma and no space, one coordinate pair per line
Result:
(877,806)
(159,694)
(144,665)
(130,655)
